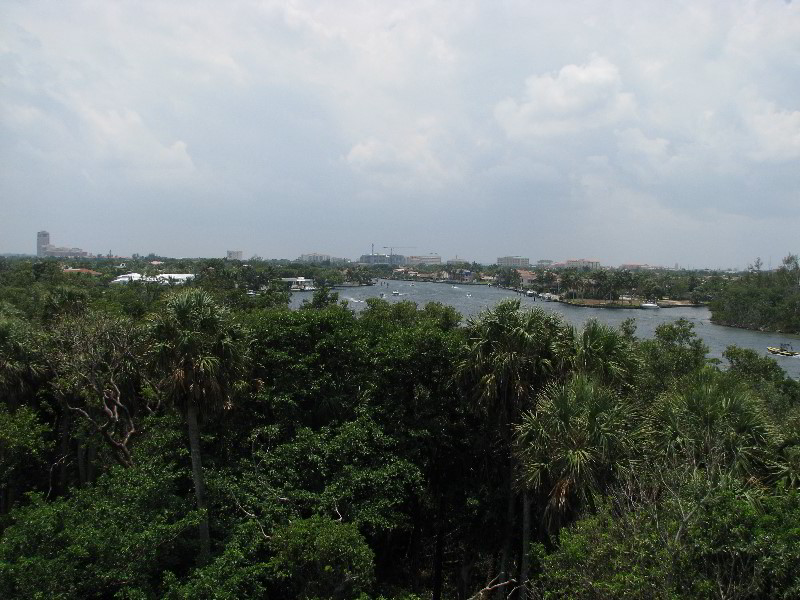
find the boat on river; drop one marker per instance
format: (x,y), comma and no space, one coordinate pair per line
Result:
(783,350)
(395,293)
(649,305)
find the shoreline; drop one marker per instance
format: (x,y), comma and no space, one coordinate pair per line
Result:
(745,328)
(616,305)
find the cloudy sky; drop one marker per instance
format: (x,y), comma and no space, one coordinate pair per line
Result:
(630,131)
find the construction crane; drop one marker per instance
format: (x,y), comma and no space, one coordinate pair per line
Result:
(391,251)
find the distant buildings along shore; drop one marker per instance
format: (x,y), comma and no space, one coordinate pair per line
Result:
(45,249)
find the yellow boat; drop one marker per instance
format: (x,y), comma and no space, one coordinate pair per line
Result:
(784,350)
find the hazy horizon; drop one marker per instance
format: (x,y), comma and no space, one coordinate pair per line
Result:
(623,132)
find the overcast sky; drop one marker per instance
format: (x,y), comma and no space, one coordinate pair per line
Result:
(631,131)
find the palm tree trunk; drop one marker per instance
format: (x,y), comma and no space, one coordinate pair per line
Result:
(438,554)
(526,545)
(199,482)
(464,575)
(64,434)
(91,456)
(81,455)
(505,556)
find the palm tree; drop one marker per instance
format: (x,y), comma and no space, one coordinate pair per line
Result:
(605,353)
(20,366)
(199,352)
(574,443)
(18,361)
(510,355)
(716,425)
(569,280)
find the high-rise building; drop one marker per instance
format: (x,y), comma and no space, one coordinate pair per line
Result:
(42,242)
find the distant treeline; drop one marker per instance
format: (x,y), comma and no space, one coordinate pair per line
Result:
(767,301)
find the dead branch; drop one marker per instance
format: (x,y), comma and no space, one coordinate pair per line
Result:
(492,586)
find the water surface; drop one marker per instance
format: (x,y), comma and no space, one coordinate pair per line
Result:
(471,299)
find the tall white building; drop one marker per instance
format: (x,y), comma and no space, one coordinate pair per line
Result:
(42,242)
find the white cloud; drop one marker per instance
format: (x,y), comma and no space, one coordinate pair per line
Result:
(777,134)
(419,159)
(120,139)
(578,98)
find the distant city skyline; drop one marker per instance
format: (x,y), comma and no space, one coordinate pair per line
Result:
(655,133)
(45,249)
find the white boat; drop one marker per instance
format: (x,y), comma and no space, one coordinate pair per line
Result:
(649,305)
(395,293)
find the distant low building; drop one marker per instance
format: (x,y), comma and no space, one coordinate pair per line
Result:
(64,252)
(463,275)
(433,259)
(234,255)
(544,263)
(638,267)
(586,264)
(299,284)
(527,277)
(514,261)
(382,259)
(314,257)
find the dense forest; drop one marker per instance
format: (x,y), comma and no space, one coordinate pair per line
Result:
(204,441)
(765,300)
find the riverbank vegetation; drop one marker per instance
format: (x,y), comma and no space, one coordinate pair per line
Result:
(763,300)
(202,442)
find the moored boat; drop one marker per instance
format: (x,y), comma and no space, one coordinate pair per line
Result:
(649,305)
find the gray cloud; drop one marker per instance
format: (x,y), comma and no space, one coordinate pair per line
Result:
(627,132)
